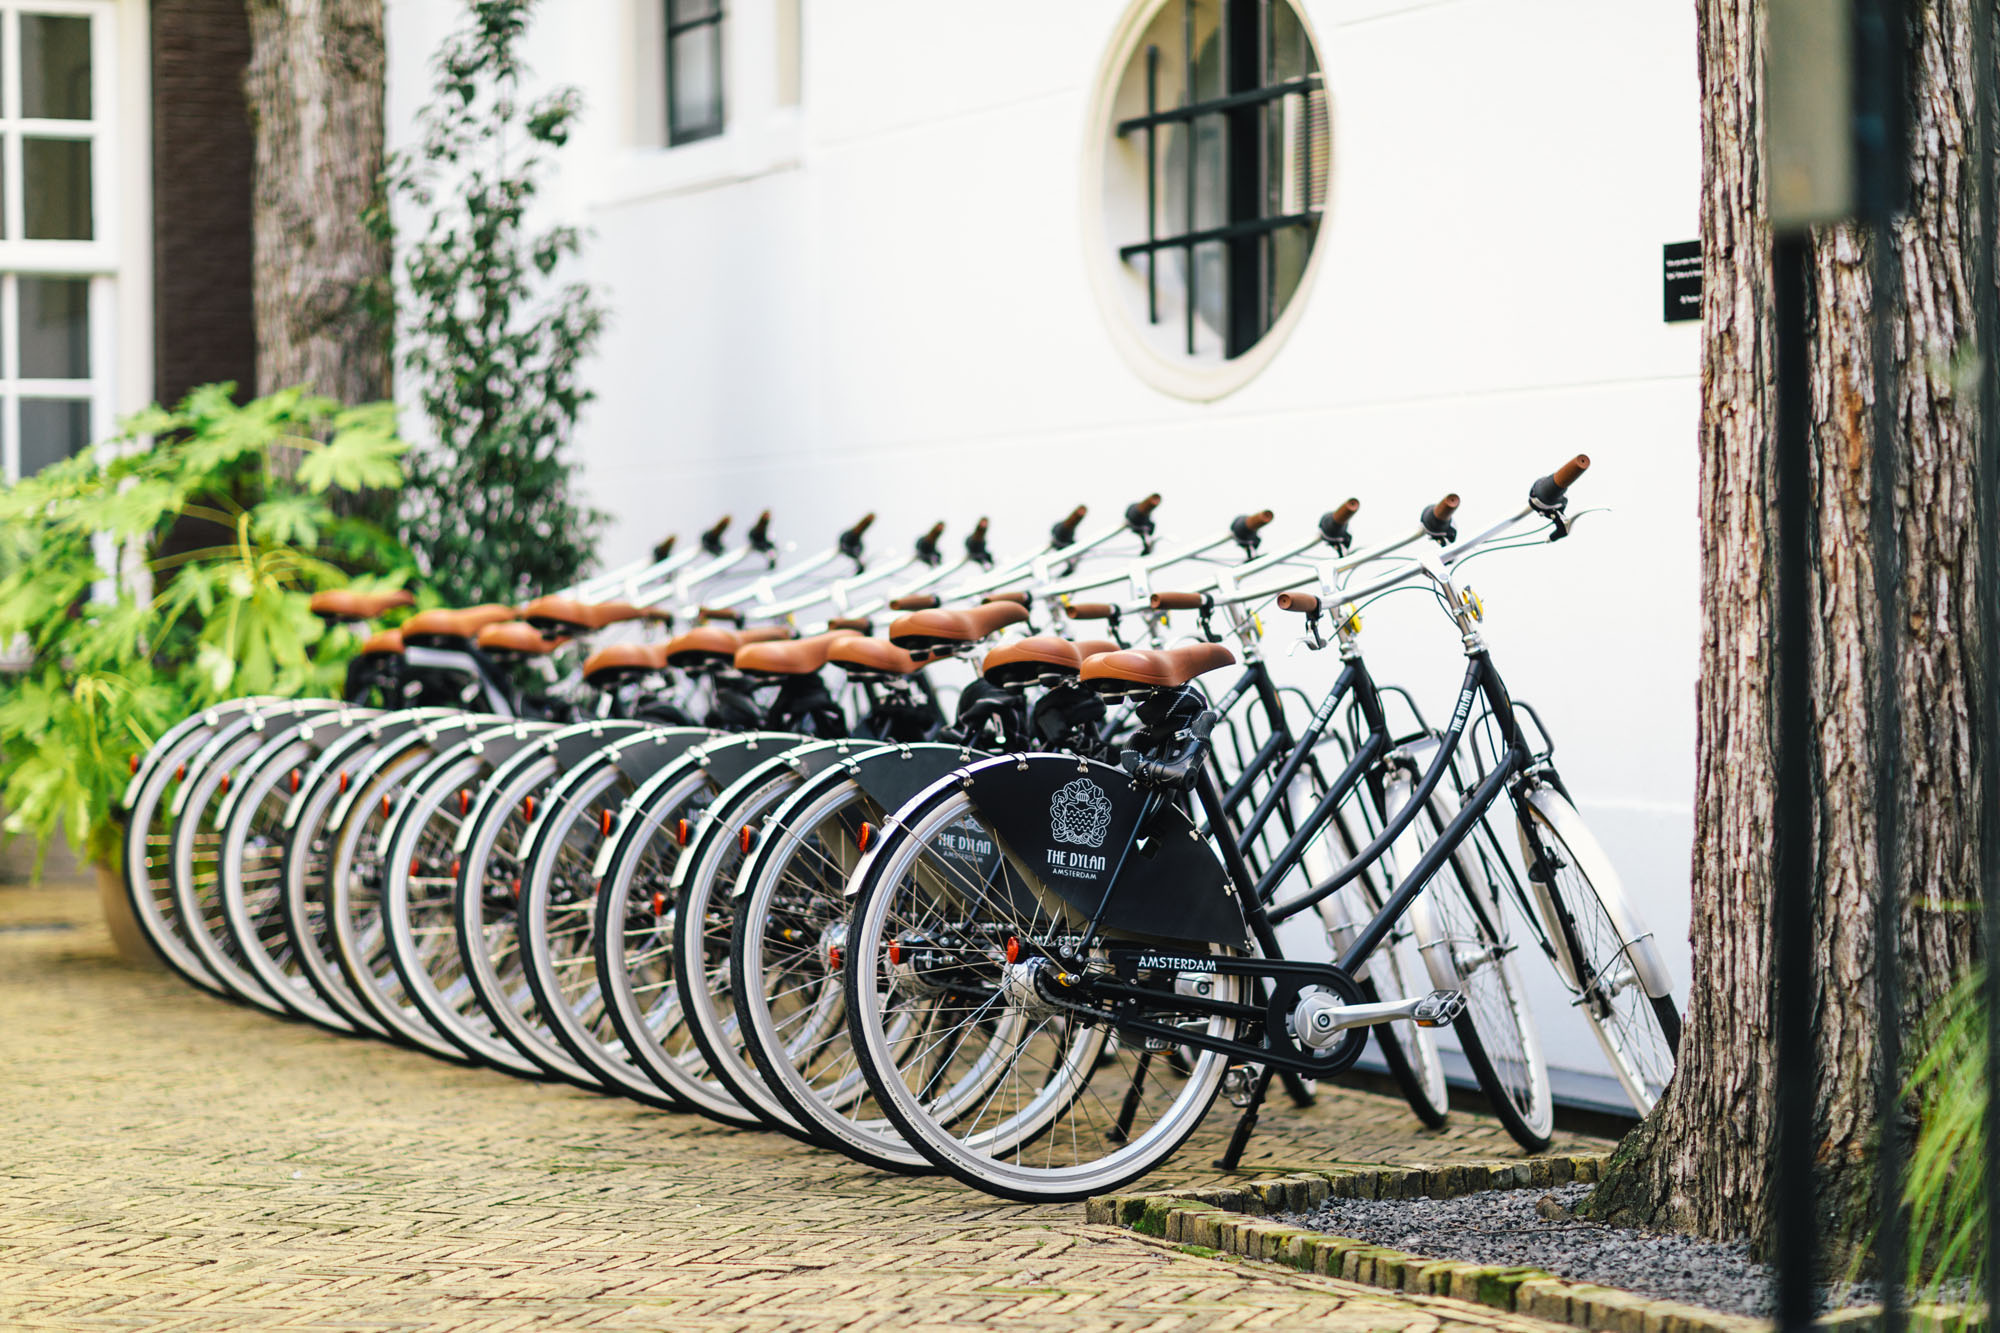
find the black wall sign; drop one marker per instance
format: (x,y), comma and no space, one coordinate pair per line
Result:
(1683,281)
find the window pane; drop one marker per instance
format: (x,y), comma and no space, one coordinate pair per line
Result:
(55,67)
(686,11)
(55,328)
(695,82)
(55,189)
(52,429)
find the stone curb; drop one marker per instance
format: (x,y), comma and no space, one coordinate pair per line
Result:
(1236,1221)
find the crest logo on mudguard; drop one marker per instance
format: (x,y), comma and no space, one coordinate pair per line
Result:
(1080,813)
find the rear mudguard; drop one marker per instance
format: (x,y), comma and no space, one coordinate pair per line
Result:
(1067,825)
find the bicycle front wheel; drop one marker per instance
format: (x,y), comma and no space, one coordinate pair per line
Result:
(1467,944)
(1607,955)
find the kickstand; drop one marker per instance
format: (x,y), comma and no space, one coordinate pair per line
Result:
(1296,1089)
(1246,1125)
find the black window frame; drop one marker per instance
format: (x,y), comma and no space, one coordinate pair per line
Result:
(679,133)
(1250,90)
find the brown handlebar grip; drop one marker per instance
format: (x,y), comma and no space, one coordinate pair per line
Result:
(1257,520)
(728,613)
(1348,509)
(1145,507)
(937,531)
(1302,602)
(1445,508)
(856,624)
(1076,516)
(1177,601)
(867,522)
(1017,598)
(920,601)
(1567,474)
(1089,610)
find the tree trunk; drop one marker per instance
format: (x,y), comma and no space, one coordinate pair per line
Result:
(1701,1161)
(316,103)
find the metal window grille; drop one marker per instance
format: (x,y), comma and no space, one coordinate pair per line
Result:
(694,70)
(1266,130)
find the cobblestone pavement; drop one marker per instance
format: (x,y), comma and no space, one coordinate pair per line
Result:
(176,1162)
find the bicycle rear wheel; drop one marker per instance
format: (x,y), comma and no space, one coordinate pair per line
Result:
(785,969)
(979,1069)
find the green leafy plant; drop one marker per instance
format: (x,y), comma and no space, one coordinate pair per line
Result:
(168,568)
(1946,1190)
(489,341)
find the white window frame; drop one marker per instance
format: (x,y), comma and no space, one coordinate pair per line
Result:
(761,110)
(96,259)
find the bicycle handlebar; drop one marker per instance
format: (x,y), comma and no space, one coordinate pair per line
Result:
(1436,519)
(1139,514)
(1244,528)
(1302,602)
(1333,523)
(927,545)
(850,540)
(975,546)
(1551,492)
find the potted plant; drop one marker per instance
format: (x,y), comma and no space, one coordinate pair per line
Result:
(165,569)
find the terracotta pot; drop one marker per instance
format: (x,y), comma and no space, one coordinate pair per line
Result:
(134,949)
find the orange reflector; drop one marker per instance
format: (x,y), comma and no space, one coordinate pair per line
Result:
(454,867)
(659,904)
(747,837)
(1013,949)
(515,885)
(528,811)
(681,833)
(833,956)
(135,765)
(867,836)
(385,807)
(295,779)
(225,782)
(180,772)
(895,951)
(416,866)
(343,779)
(605,823)
(464,800)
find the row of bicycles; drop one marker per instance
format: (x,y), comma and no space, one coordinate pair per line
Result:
(1006,868)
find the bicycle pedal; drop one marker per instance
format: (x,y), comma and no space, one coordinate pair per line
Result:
(1439,1008)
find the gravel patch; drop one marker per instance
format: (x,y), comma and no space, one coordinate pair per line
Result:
(1524,1227)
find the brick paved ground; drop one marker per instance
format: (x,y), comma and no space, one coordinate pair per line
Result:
(175,1162)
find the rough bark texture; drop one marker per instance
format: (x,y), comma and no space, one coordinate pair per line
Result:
(315,93)
(203,330)
(1701,1161)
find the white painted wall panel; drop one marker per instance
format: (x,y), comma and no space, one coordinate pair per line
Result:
(881,301)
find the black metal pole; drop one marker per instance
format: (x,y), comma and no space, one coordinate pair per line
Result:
(1890,1150)
(1792,1185)
(1986,511)
(1881,137)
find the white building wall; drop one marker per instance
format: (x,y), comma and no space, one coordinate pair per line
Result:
(879,300)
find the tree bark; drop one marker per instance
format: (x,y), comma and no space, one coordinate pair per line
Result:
(316,103)
(1701,1161)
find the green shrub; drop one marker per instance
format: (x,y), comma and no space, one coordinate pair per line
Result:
(488,340)
(165,569)
(1949,1210)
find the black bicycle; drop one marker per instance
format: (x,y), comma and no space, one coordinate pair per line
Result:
(1120,963)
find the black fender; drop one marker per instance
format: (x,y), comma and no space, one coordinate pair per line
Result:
(1068,825)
